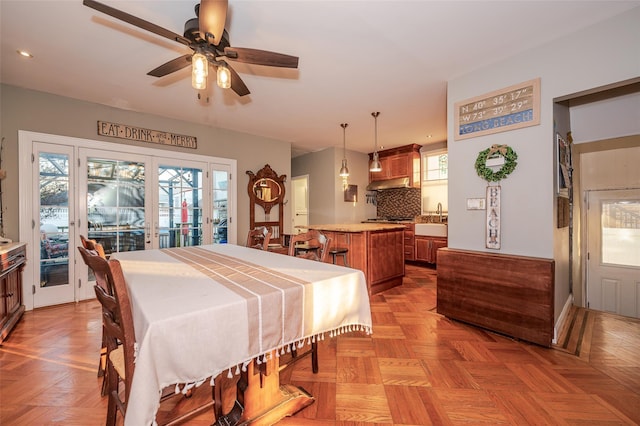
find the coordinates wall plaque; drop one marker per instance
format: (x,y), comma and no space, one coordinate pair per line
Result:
(133,133)
(510,108)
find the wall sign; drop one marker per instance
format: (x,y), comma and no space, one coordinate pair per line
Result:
(493,217)
(510,108)
(133,133)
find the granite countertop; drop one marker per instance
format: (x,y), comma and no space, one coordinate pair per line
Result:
(355,227)
(7,247)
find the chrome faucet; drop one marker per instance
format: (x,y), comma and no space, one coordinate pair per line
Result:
(439,211)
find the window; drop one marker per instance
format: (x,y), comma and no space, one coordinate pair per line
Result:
(620,227)
(435,166)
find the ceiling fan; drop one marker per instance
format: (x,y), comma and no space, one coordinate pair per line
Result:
(206,37)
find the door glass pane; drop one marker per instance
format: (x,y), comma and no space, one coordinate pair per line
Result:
(54,219)
(220,206)
(180,206)
(115,204)
(620,227)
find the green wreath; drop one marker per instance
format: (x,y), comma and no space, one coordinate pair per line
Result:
(509,165)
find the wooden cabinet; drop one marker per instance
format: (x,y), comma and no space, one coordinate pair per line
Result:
(399,162)
(409,242)
(427,248)
(375,249)
(12,259)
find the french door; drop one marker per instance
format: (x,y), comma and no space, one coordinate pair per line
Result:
(178,204)
(53,224)
(126,198)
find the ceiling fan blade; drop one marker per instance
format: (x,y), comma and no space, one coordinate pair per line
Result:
(261,57)
(212,16)
(237,85)
(135,21)
(171,66)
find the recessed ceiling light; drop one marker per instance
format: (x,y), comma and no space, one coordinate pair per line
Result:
(429,136)
(24,53)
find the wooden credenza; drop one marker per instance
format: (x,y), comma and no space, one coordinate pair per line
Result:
(12,260)
(509,294)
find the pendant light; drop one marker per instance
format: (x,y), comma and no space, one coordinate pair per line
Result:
(375,164)
(344,171)
(223,76)
(199,71)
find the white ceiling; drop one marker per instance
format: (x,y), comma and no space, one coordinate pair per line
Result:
(356,57)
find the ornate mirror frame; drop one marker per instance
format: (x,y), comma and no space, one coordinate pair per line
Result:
(266,189)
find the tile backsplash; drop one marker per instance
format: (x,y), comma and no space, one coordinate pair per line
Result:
(400,202)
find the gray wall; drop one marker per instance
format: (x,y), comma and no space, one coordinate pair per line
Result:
(597,56)
(326,196)
(22,109)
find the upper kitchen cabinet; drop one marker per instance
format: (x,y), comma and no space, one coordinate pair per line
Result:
(400,162)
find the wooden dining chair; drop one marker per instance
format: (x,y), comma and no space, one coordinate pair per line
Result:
(92,248)
(117,320)
(316,245)
(93,245)
(259,238)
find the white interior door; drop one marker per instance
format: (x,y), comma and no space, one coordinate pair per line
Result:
(53,179)
(613,250)
(300,202)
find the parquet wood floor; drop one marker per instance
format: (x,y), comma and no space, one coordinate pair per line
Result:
(418,368)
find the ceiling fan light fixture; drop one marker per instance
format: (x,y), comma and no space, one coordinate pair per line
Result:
(344,170)
(223,77)
(199,71)
(375,164)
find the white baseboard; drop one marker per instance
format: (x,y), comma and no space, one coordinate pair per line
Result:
(562,318)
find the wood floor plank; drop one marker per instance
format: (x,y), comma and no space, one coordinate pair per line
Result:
(417,368)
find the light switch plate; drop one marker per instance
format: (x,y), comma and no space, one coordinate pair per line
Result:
(475,203)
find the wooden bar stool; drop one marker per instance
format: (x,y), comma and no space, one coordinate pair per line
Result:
(339,251)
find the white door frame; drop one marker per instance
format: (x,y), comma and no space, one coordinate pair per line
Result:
(299,217)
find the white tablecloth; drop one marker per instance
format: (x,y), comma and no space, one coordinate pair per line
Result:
(199,311)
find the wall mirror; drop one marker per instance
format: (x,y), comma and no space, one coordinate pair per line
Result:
(266,190)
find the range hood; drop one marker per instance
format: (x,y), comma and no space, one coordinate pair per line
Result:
(379,185)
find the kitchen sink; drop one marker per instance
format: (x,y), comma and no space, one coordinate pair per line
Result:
(431,229)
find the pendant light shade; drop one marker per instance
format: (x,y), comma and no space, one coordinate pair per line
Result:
(223,77)
(344,170)
(199,71)
(375,164)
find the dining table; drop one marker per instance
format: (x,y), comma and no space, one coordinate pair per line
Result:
(207,310)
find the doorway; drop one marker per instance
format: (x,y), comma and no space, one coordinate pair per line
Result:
(300,197)
(613,251)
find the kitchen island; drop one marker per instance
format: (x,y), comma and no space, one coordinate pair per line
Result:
(377,249)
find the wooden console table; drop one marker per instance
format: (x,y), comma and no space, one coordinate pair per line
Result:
(513,295)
